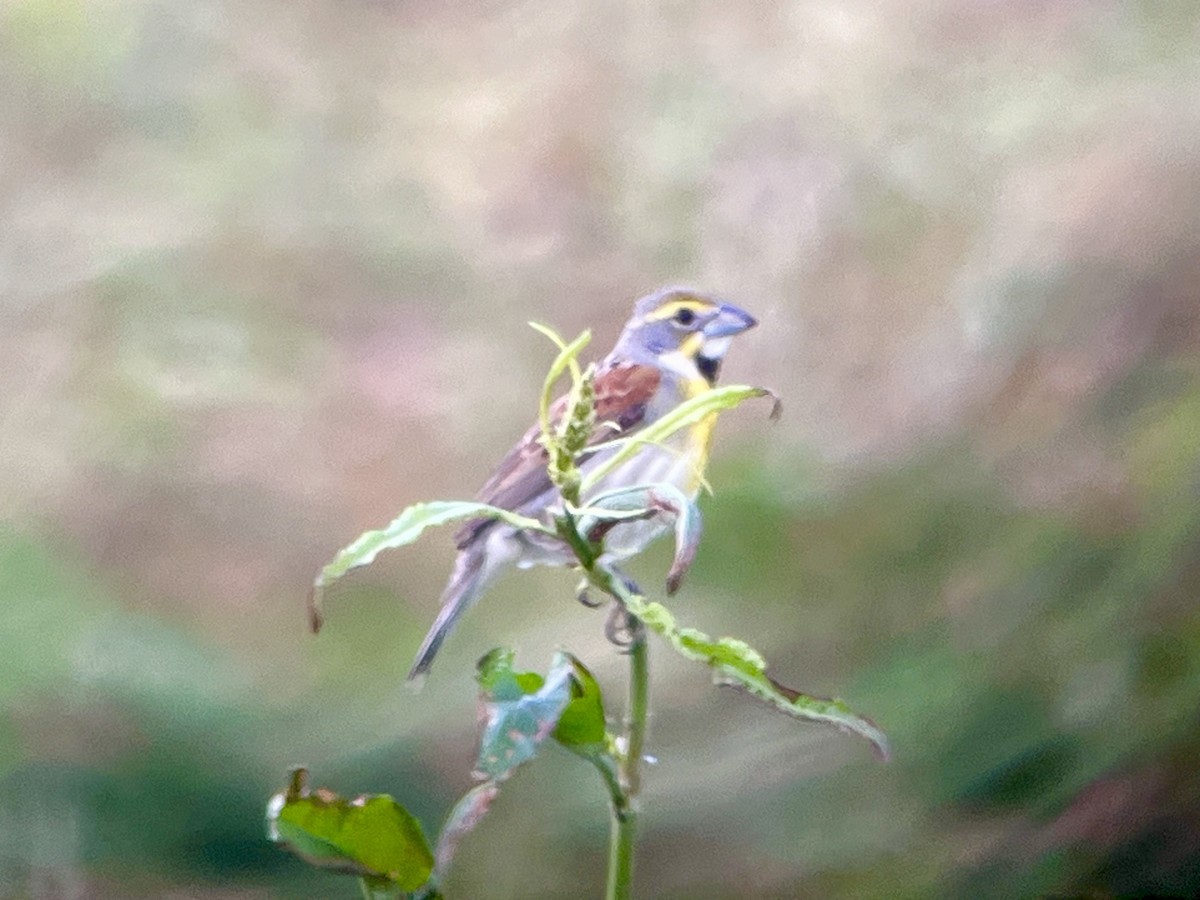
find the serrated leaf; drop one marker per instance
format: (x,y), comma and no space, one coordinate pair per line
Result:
(517,723)
(371,836)
(608,509)
(735,663)
(403,530)
(686,414)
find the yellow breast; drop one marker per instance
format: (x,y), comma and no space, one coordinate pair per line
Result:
(700,437)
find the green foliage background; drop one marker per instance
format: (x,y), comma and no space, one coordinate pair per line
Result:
(265,270)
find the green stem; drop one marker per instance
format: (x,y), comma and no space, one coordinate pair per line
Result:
(623,823)
(584,550)
(625,783)
(635,715)
(620,856)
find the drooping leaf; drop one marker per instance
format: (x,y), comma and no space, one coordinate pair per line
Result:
(686,414)
(610,508)
(522,710)
(465,815)
(581,722)
(371,836)
(517,723)
(735,663)
(403,530)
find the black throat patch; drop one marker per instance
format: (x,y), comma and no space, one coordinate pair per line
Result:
(710,368)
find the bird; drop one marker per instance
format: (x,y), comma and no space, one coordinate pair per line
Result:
(670,350)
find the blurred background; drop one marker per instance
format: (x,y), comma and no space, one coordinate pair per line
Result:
(265,269)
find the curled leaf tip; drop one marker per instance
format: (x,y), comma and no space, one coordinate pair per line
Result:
(776,406)
(297,784)
(315,617)
(679,569)
(776,402)
(882,749)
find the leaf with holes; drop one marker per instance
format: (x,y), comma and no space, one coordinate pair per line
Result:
(520,711)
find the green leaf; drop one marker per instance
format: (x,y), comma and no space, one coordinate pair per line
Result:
(517,723)
(686,414)
(500,681)
(522,710)
(610,508)
(735,663)
(371,836)
(567,358)
(403,530)
(581,725)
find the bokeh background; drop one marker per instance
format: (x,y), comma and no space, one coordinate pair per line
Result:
(265,269)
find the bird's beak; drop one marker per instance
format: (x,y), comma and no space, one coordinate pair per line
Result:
(729,321)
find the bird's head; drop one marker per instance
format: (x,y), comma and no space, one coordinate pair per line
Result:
(682,330)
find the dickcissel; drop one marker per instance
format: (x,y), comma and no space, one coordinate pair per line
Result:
(670,350)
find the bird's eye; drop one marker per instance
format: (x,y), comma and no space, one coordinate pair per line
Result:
(684,317)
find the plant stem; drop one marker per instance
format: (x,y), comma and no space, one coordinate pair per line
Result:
(635,715)
(623,823)
(620,856)
(625,784)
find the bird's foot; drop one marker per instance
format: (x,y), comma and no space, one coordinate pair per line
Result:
(622,628)
(582,595)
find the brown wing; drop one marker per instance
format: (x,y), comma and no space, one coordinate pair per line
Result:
(623,391)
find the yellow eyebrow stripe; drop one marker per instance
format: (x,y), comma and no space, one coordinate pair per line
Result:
(669,309)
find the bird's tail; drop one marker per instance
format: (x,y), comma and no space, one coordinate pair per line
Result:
(466,584)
